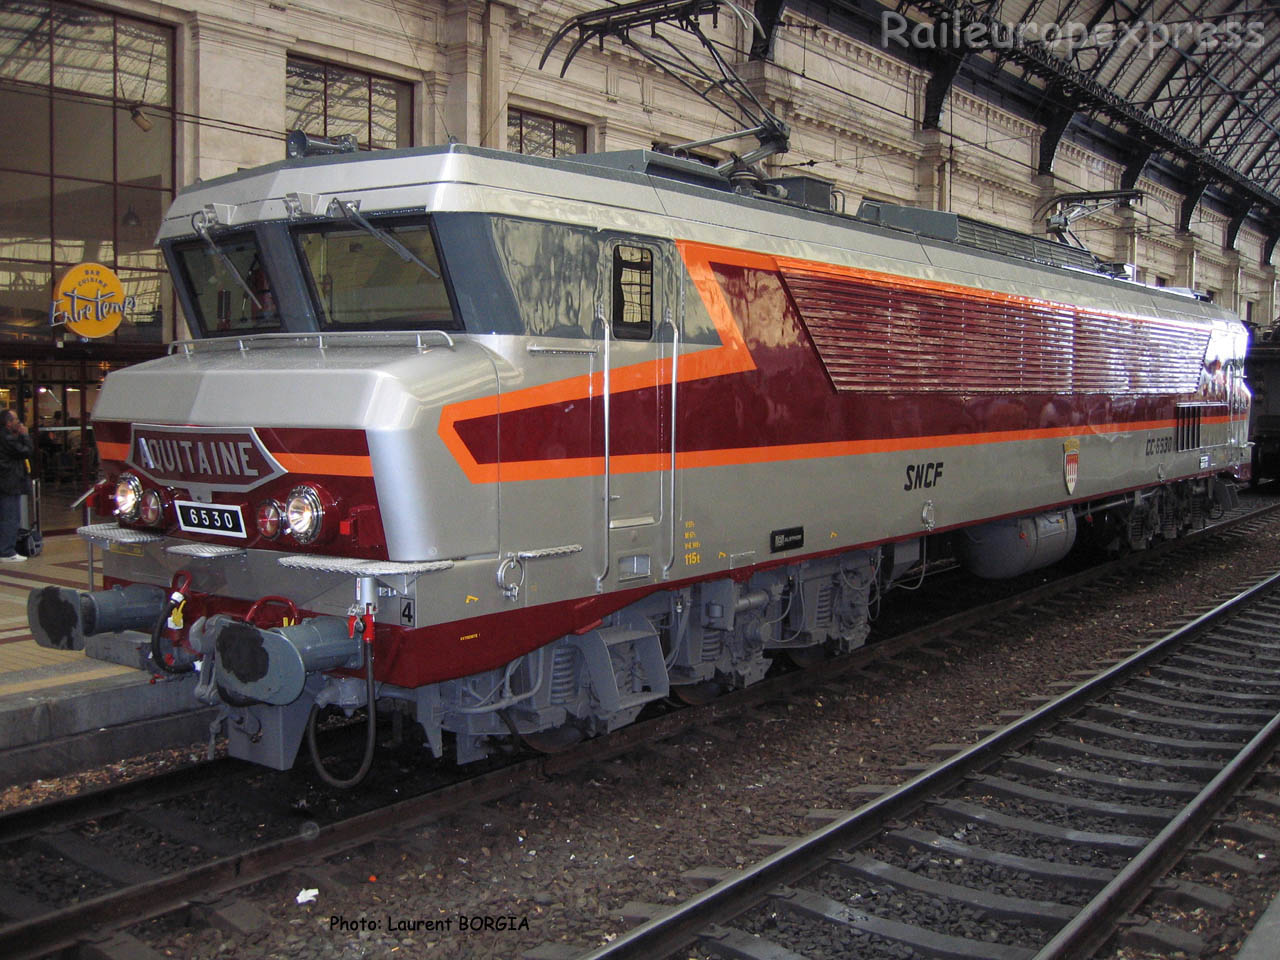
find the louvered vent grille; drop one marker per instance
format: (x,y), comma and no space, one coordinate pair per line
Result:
(1188,427)
(1189,419)
(995,239)
(876,338)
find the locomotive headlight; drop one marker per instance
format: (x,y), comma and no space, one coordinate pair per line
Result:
(152,508)
(305,513)
(269,519)
(128,496)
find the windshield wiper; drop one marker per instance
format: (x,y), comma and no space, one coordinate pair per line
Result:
(200,223)
(348,210)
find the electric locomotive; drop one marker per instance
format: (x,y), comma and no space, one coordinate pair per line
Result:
(517,446)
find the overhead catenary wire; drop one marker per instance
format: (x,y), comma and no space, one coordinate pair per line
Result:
(1047,98)
(413,51)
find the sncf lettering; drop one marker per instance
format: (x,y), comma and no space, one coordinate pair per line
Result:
(923,475)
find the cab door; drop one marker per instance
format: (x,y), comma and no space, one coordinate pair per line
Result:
(636,329)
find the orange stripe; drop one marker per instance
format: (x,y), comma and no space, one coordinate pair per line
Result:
(736,456)
(325,464)
(853,448)
(113,451)
(732,356)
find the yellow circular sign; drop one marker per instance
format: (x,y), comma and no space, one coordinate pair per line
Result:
(90,300)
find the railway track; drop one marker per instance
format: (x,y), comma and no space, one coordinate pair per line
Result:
(1035,842)
(117,856)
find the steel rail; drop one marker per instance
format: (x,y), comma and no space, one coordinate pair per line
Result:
(674,930)
(104,801)
(1100,916)
(60,929)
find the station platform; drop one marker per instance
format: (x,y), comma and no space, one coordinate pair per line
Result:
(57,513)
(1263,943)
(61,711)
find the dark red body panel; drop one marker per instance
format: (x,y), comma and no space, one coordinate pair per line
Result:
(894,389)
(311,456)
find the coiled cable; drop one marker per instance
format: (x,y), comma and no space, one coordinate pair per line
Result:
(168,663)
(371,731)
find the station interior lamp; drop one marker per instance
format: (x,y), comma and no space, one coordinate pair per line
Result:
(141,119)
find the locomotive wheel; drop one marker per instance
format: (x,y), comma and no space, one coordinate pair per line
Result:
(805,657)
(552,741)
(696,694)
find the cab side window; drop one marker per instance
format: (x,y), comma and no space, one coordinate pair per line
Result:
(632,292)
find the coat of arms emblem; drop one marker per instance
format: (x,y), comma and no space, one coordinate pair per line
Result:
(1070,463)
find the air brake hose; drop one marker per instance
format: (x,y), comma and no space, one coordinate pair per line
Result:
(262,602)
(178,586)
(370,739)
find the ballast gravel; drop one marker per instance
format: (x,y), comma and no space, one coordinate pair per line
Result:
(558,862)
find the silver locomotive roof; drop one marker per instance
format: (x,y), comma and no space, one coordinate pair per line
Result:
(660,196)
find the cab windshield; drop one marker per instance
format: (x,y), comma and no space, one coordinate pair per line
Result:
(230,290)
(360,281)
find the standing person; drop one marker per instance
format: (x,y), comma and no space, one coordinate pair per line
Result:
(15,448)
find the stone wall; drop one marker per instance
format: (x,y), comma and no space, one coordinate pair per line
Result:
(854,110)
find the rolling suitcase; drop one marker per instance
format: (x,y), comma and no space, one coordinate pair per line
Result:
(30,542)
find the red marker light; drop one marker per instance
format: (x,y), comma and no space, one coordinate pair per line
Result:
(152,509)
(268,516)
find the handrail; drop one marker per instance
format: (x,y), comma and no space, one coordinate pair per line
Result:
(608,499)
(538,350)
(671,476)
(322,339)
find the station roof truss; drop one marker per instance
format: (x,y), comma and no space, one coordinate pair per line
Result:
(1191,84)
